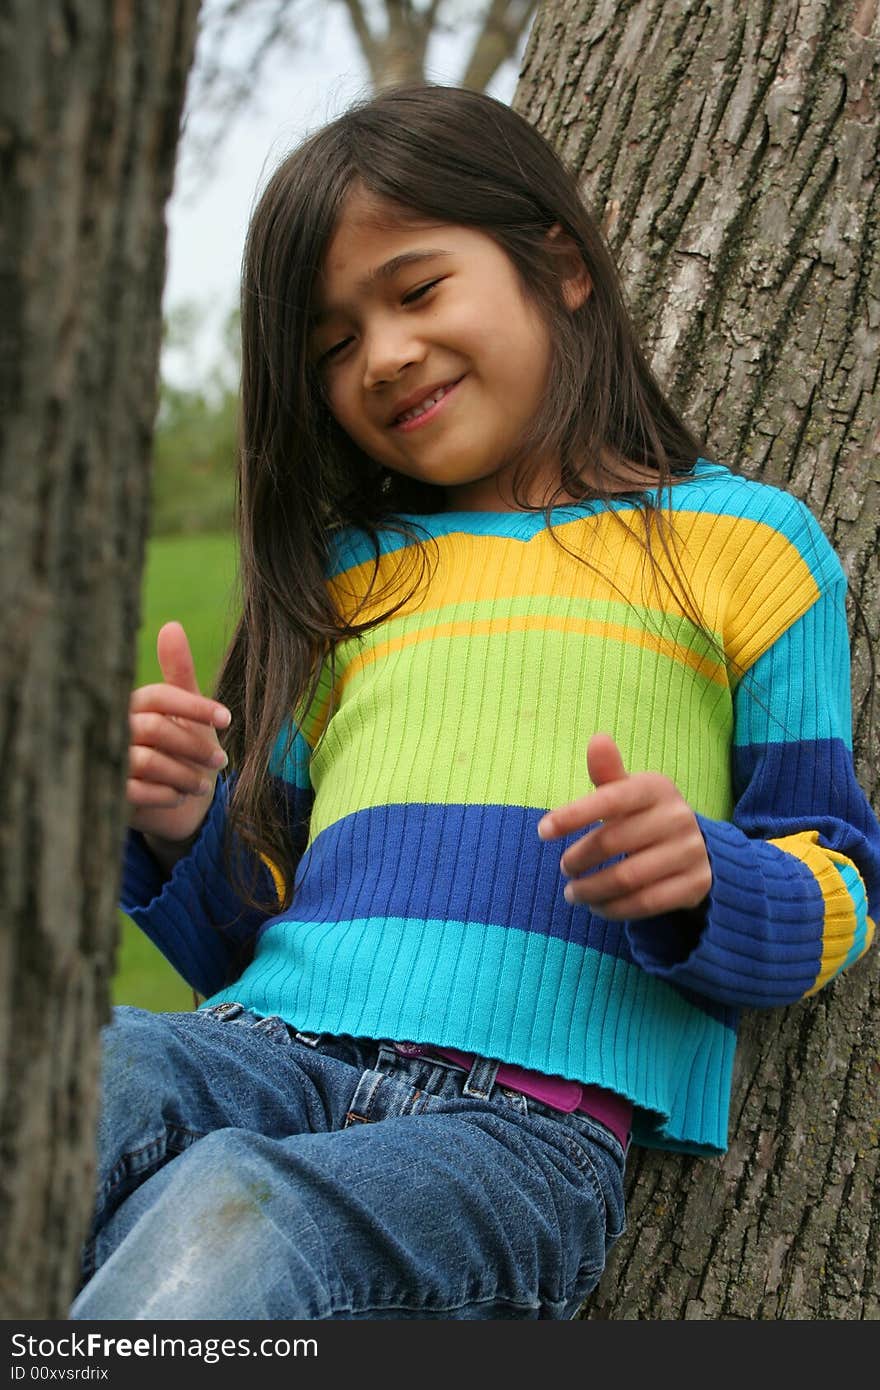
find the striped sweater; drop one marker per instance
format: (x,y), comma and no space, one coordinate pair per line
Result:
(426,907)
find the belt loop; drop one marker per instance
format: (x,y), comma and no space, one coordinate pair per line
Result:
(481,1078)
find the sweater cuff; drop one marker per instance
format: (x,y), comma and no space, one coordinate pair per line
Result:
(760,943)
(143,879)
(192,916)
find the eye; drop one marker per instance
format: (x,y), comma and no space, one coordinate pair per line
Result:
(420,292)
(333,351)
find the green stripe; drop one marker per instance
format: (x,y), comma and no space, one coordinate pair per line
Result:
(466,720)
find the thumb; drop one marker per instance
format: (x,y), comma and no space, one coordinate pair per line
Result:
(604,763)
(175,658)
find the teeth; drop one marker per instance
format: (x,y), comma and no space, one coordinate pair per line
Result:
(426,404)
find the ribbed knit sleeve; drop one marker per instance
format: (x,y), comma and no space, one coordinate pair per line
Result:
(195,917)
(796,869)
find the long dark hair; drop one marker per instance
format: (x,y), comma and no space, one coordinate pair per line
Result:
(459,157)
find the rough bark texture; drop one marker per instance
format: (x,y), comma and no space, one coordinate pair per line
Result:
(90,101)
(731,150)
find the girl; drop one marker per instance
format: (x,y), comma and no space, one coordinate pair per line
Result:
(483,565)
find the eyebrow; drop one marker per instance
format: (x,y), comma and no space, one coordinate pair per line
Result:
(381,273)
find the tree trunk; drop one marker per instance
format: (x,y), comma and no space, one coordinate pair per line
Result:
(397,54)
(731,150)
(90,102)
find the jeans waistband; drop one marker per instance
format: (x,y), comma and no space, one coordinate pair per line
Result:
(610,1109)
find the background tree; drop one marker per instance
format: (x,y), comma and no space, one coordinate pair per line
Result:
(731,147)
(393,35)
(90,102)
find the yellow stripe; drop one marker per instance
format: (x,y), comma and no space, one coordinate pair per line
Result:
(749,582)
(870,925)
(839,927)
(277,878)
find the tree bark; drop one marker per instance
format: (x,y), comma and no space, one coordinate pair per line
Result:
(90,102)
(730,150)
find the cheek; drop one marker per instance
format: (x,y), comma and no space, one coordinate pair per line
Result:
(535,340)
(341,404)
(520,353)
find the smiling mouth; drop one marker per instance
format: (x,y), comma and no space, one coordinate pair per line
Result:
(426,408)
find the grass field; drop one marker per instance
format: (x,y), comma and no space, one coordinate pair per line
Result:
(187,578)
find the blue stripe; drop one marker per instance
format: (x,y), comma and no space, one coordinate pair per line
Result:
(437,862)
(809,786)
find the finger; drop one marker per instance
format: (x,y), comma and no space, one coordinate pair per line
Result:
(171,699)
(680,892)
(175,657)
(604,761)
(659,823)
(618,798)
(149,765)
(634,873)
(149,796)
(179,740)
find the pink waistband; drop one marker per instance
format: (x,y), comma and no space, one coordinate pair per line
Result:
(608,1107)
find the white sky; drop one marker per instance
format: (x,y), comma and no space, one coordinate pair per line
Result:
(208,216)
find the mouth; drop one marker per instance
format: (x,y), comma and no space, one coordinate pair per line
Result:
(426,409)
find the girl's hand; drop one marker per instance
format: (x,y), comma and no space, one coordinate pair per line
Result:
(645,818)
(174,756)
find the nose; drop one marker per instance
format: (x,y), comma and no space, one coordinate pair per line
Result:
(390,347)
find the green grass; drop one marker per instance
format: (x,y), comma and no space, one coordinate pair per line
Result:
(189,579)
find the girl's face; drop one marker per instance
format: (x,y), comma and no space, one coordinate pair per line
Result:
(419,316)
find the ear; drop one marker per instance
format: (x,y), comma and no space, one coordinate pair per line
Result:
(577,283)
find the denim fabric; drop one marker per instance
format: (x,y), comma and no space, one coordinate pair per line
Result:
(250,1171)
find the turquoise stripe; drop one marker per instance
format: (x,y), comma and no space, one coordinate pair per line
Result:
(293,768)
(800,688)
(856,889)
(537,1002)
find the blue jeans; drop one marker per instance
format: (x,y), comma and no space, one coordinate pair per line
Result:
(250,1171)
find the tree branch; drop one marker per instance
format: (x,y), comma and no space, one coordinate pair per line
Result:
(506,22)
(402,55)
(365,38)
